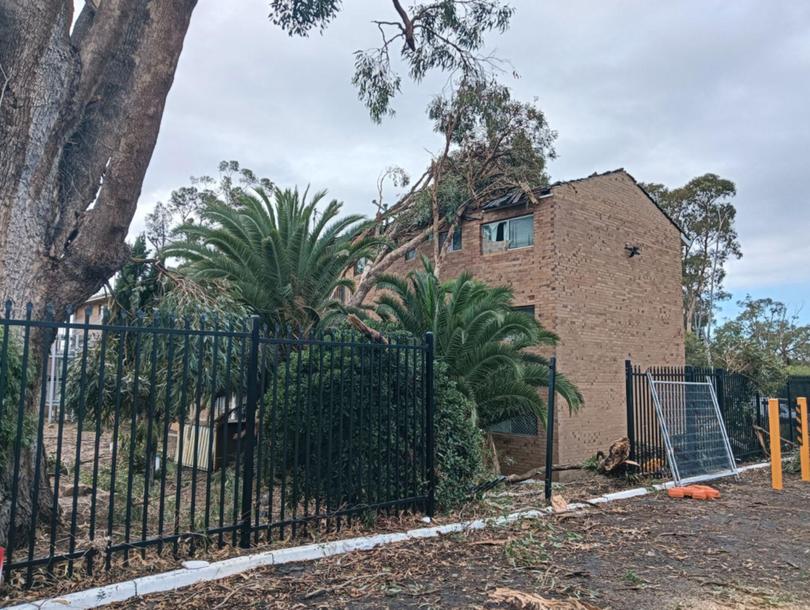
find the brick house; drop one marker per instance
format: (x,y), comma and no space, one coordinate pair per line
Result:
(598,263)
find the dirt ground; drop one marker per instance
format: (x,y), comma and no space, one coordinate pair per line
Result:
(749,549)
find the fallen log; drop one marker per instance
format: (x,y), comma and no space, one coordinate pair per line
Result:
(768,434)
(540,472)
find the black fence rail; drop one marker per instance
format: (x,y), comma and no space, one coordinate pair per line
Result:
(739,401)
(174,435)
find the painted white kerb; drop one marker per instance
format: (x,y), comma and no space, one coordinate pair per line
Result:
(168,581)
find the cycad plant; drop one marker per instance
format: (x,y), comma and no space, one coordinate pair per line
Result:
(278,254)
(484,342)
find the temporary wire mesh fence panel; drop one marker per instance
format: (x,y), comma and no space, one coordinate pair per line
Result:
(692,427)
(178,434)
(737,397)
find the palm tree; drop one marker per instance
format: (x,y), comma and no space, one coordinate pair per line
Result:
(278,255)
(482,339)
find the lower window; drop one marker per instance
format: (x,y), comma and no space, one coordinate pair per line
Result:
(525,425)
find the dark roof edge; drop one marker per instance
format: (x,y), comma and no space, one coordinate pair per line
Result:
(621,170)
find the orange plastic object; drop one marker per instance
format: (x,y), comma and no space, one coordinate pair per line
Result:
(697,492)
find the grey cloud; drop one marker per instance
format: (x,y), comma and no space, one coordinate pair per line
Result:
(666,90)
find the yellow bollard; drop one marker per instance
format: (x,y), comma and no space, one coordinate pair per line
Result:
(804,442)
(776,445)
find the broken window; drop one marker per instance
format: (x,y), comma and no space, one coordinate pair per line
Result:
(507,234)
(360,266)
(456,245)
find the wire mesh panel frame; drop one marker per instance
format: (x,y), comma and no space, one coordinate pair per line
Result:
(666,432)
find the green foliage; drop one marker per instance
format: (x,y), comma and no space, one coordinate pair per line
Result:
(446,35)
(498,145)
(11,385)
(137,285)
(298,17)
(459,442)
(704,211)
(186,203)
(696,351)
(152,371)
(347,421)
(764,342)
(277,255)
(480,338)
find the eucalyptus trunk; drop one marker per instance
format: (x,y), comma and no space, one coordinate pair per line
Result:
(80,111)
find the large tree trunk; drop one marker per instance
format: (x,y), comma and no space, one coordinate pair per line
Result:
(80,112)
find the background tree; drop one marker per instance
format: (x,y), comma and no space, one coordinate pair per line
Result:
(80,111)
(764,342)
(704,210)
(186,203)
(137,287)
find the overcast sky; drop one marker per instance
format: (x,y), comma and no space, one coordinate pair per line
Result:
(668,91)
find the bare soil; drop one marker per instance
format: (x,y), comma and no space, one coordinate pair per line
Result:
(749,549)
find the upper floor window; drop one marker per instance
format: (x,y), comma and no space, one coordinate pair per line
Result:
(507,234)
(360,265)
(456,245)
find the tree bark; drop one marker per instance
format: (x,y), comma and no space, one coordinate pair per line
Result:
(80,113)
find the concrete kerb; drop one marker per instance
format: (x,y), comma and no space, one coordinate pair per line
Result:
(184,577)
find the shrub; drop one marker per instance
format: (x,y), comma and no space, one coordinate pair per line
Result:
(459,442)
(343,425)
(10,387)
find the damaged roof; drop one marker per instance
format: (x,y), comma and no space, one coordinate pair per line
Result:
(518,197)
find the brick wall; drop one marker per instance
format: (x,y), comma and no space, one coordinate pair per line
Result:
(609,306)
(605,306)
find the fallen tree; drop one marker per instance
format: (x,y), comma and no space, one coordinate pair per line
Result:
(616,461)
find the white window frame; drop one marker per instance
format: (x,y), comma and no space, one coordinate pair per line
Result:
(506,234)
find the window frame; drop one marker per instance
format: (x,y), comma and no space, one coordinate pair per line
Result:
(518,425)
(360,266)
(458,232)
(506,234)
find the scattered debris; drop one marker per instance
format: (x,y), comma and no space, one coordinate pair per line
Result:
(696,492)
(520,600)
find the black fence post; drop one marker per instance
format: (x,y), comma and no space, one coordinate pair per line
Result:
(631,407)
(430,436)
(720,386)
(249,441)
(790,413)
(552,392)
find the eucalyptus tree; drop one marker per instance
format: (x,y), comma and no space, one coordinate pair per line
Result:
(703,208)
(493,145)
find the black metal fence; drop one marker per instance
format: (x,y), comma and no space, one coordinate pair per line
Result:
(795,387)
(738,398)
(196,432)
